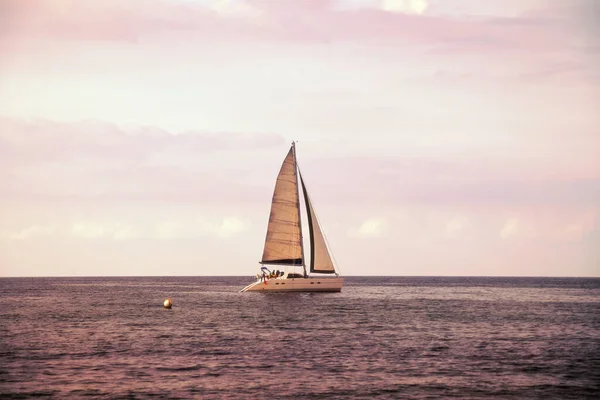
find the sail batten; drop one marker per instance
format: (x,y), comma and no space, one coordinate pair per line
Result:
(296,261)
(320,259)
(283,243)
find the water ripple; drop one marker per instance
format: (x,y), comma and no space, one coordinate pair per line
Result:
(383,338)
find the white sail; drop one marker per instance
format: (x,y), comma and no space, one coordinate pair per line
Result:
(283,244)
(320,259)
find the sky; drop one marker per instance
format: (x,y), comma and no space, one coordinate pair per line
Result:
(435,137)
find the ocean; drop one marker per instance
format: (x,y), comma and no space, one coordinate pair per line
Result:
(381,337)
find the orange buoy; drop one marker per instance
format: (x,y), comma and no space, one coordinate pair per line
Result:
(168,303)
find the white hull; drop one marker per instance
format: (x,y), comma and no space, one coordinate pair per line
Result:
(310,284)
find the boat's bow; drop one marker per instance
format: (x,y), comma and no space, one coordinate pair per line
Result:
(250,286)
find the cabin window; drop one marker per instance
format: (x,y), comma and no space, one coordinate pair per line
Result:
(312,283)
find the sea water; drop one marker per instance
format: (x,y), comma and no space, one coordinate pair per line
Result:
(381,337)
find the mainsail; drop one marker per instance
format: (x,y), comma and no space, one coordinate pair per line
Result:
(320,259)
(283,244)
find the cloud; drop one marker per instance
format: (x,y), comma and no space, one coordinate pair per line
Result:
(581,228)
(90,230)
(392,22)
(510,228)
(236,9)
(282,7)
(117,230)
(525,228)
(445,181)
(37,140)
(454,226)
(31,232)
(44,159)
(121,230)
(197,227)
(232,226)
(566,226)
(405,6)
(225,227)
(372,227)
(109,20)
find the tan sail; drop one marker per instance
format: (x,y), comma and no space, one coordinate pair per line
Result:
(283,244)
(320,259)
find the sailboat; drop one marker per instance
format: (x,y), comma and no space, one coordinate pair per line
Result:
(284,245)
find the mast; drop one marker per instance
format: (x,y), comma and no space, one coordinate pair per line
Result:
(298,206)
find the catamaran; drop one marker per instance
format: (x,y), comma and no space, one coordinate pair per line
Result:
(284,245)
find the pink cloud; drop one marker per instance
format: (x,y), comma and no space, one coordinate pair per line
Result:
(94,160)
(453,182)
(47,140)
(43,159)
(49,160)
(293,6)
(306,21)
(533,48)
